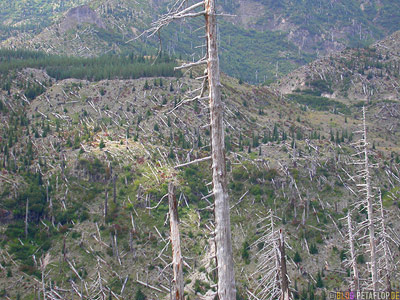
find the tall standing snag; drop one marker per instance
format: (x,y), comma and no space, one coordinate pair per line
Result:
(369,204)
(176,244)
(285,282)
(226,276)
(387,263)
(270,279)
(223,243)
(365,202)
(26,217)
(353,262)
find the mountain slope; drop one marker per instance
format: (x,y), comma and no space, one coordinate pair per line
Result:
(365,74)
(278,37)
(353,77)
(69,142)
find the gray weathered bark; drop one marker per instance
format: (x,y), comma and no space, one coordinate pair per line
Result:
(356,285)
(105,204)
(284,280)
(226,276)
(26,217)
(370,210)
(115,189)
(177,263)
(385,247)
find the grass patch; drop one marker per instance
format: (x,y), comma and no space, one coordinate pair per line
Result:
(319,103)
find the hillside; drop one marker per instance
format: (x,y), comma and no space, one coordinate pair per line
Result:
(276,38)
(320,25)
(70,144)
(30,17)
(365,74)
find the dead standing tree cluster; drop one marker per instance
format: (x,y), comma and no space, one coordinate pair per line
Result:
(371,231)
(181,10)
(271,280)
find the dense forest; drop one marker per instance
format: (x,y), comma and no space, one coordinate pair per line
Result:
(128,66)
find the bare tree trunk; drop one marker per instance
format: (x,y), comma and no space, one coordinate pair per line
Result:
(226,276)
(64,250)
(43,285)
(131,240)
(62,168)
(112,243)
(51,211)
(177,264)
(356,286)
(285,281)
(385,247)
(115,189)
(105,204)
(369,209)
(26,218)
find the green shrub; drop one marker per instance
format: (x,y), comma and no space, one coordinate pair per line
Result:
(320,283)
(361,259)
(239,173)
(101,145)
(256,190)
(297,258)
(342,255)
(313,249)
(245,252)
(319,103)
(140,295)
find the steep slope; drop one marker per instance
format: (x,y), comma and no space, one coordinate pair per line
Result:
(278,37)
(30,17)
(66,145)
(320,24)
(363,74)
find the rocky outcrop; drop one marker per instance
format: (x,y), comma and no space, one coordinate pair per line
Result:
(80,15)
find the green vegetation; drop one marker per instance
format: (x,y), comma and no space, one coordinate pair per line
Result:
(245,252)
(140,295)
(128,66)
(263,57)
(267,52)
(297,258)
(256,182)
(34,15)
(317,16)
(319,103)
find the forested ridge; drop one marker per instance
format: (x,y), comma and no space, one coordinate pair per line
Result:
(129,66)
(288,34)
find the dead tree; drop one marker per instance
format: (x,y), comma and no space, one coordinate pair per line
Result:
(353,261)
(226,277)
(384,245)
(373,228)
(365,202)
(177,262)
(115,189)
(284,276)
(26,217)
(105,204)
(369,204)
(43,263)
(51,212)
(272,280)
